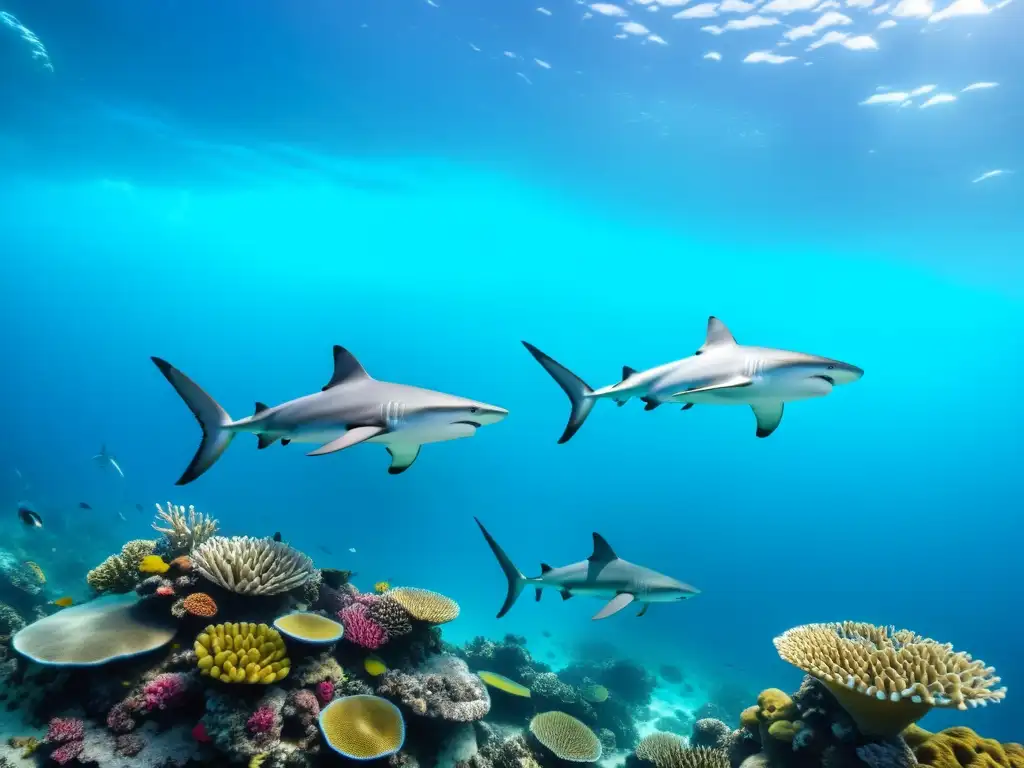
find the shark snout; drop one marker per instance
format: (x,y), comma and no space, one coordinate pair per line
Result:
(481,414)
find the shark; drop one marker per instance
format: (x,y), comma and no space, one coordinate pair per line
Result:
(720,372)
(104,459)
(603,575)
(352,408)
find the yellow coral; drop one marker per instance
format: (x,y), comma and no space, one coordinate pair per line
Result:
(363,727)
(773,705)
(309,627)
(749,718)
(119,573)
(242,653)
(914,735)
(885,678)
(566,736)
(257,760)
(963,748)
(424,605)
(784,730)
(153,564)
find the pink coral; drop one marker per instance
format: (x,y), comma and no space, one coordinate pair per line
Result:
(261,721)
(165,591)
(164,690)
(65,753)
(119,718)
(360,629)
(65,729)
(325,691)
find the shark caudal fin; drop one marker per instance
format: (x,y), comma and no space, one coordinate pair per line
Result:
(516,580)
(211,417)
(572,385)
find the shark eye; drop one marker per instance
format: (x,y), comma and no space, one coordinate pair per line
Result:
(831,367)
(474,409)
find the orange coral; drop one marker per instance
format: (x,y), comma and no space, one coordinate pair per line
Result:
(200,604)
(183,563)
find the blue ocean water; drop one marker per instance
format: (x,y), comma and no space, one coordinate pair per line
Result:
(238,186)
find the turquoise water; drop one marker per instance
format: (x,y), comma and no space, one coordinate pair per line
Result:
(241,251)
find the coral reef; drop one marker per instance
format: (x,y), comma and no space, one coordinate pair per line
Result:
(309,628)
(424,605)
(183,534)
(566,737)
(444,688)
(119,573)
(363,727)
(249,566)
(242,653)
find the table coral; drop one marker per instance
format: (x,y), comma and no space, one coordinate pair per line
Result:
(424,605)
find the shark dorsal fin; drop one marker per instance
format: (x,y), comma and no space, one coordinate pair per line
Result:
(603,553)
(718,335)
(544,568)
(346,368)
(627,372)
(260,408)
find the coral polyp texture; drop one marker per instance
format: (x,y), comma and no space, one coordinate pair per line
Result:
(363,727)
(199,604)
(103,630)
(962,748)
(566,737)
(424,605)
(119,573)
(250,566)
(667,750)
(183,533)
(885,678)
(309,628)
(242,653)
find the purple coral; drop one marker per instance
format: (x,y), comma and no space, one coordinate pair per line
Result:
(360,629)
(164,690)
(325,691)
(261,721)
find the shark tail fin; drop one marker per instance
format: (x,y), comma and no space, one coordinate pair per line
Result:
(211,417)
(516,580)
(572,385)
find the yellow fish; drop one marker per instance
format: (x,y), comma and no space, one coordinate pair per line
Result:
(381,587)
(374,666)
(64,602)
(34,567)
(502,683)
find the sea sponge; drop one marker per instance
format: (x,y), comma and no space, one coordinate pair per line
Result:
(424,605)
(914,735)
(309,628)
(750,719)
(963,748)
(784,730)
(199,604)
(884,678)
(504,684)
(362,727)
(242,653)
(119,573)
(93,633)
(566,736)
(184,534)
(153,564)
(773,705)
(252,566)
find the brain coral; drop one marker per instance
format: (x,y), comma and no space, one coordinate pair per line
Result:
(241,653)
(884,678)
(252,566)
(93,633)
(567,737)
(424,605)
(362,727)
(963,748)
(119,573)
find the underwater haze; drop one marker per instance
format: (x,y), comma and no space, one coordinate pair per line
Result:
(236,187)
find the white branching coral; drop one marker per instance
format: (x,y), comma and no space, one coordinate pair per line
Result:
(184,533)
(250,566)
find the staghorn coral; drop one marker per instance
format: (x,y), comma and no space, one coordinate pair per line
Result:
(242,653)
(963,748)
(252,566)
(885,678)
(566,737)
(424,605)
(444,688)
(363,727)
(119,573)
(389,614)
(183,534)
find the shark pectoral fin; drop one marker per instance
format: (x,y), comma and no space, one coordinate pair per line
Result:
(621,403)
(768,417)
(354,436)
(650,404)
(566,594)
(614,605)
(730,383)
(539,593)
(688,406)
(717,335)
(643,610)
(402,457)
(346,368)
(265,441)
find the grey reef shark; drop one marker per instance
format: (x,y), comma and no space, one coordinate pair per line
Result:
(352,408)
(721,372)
(603,575)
